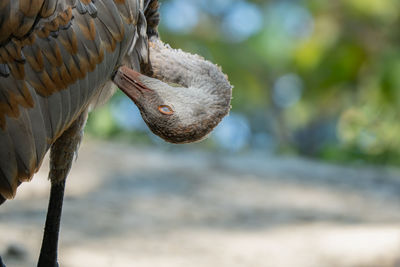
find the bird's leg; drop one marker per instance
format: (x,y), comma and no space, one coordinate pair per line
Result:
(1,263)
(61,157)
(48,252)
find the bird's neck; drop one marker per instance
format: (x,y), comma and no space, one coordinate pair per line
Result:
(191,71)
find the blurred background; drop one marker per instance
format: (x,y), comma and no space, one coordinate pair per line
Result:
(303,172)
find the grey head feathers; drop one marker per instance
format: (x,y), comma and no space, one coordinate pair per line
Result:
(185,98)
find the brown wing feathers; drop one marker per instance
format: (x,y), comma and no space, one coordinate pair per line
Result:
(52,69)
(54,54)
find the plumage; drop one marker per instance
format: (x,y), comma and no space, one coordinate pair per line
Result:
(55,59)
(58,59)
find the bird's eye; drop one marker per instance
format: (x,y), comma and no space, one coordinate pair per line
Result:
(166,110)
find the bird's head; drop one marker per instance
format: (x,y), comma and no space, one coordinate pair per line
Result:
(186,97)
(177,114)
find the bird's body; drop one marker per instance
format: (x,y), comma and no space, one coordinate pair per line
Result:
(56,58)
(59,57)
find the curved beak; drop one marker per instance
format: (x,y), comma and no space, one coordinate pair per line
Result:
(129,82)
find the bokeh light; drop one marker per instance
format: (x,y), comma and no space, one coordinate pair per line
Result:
(180,16)
(242,21)
(215,7)
(233,133)
(290,18)
(287,90)
(127,115)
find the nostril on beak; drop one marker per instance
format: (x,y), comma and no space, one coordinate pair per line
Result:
(114,73)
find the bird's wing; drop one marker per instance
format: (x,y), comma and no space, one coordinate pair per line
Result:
(54,57)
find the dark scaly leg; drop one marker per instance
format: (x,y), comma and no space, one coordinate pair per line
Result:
(61,157)
(48,252)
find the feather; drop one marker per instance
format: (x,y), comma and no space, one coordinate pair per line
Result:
(56,57)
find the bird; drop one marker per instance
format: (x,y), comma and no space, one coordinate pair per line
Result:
(59,59)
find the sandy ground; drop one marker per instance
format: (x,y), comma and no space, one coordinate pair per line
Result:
(128,206)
